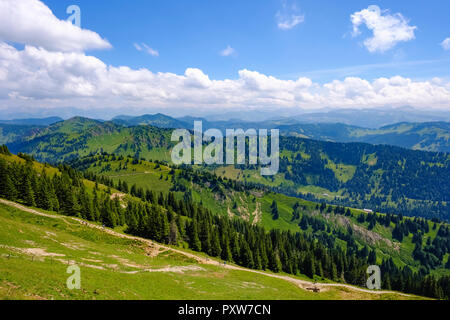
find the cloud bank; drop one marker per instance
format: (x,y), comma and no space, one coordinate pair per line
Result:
(46,74)
(36,74)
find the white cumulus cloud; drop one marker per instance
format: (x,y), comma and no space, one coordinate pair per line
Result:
(31,22)
(388,29)
(446,44)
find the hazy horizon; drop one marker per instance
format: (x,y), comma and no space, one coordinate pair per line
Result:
(369,118)
(196,62)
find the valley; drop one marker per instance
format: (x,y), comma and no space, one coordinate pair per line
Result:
(378,177)
(249,226)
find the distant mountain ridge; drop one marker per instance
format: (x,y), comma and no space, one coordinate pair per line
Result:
(157,120)
(425,136)
(33,121)
(367,118)
(373,118)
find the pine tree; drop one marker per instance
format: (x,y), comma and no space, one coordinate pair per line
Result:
(387,282)
(108,215)
(216,250)
(195,242)
(4,150)
(303,223)
(264,258)
(246,258)
(257,260)
(43,195)
(274,210)
(275,262)
(27,191)
(173,236)
(235,249)
(226,250)
(295,212)
(310,269)
(372,259)
(319,269)
(7,188)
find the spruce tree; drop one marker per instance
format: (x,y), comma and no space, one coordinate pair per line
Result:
(195,243)
(274,210)
(173,235)
(27,192)
(7,187)
(216,250)
(372,259)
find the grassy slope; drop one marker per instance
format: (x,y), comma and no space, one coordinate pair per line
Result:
(105,260)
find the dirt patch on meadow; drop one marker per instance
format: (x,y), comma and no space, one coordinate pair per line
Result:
(92,260)
(37,252)
(153,250)
(178,269)
(73,245)
(40,252)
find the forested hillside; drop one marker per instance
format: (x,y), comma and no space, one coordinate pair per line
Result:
(10,133)
(381,178)
(78,136)
(384,178)
(425,136)
(428,136)
(165,217)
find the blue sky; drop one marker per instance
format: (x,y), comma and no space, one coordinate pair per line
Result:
(190,33)
(198,56)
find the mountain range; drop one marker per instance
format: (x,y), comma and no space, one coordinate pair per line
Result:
(33,121)
(427,136)
(380,177)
